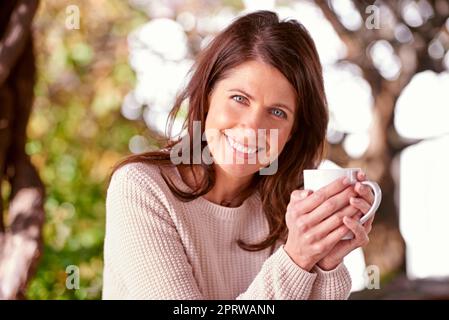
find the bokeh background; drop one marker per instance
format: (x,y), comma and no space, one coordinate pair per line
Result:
(104,90)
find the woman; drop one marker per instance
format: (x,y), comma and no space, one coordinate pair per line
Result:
(222,229)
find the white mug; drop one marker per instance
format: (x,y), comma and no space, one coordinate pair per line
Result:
(318,178)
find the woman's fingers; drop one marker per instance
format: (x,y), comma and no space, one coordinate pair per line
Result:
(299,195)
(317,198)
(345,246)
(360,204)
(335,236)
(322,229)
(305,211)
(360,235)
(296,198)
(364,207)
(330,207)
(368,225)
(361,176)
(363,190)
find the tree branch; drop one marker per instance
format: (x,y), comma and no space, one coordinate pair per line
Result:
(332,17)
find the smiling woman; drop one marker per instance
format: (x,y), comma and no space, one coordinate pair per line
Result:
(235,118)
(225,230)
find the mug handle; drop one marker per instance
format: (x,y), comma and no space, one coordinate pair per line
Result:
(377,199)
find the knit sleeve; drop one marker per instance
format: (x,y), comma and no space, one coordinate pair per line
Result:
(280,279)
(331,285)
(143,254)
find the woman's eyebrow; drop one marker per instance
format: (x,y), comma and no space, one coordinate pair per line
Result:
(245,93)
(252,98)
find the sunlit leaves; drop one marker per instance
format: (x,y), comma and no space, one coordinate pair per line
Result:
(76,134)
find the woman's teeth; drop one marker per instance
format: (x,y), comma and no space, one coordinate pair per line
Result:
(241,148)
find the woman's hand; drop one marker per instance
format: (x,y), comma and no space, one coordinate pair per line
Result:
(362,203)
(314,222)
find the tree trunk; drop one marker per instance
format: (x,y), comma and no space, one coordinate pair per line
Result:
(21,236)
(386,248)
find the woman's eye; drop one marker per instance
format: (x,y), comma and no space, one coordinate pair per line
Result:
(279,113)
(238,98)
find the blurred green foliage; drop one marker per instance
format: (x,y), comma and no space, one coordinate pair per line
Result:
(76,133)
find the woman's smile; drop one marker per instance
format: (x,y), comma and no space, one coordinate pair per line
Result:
(242,150)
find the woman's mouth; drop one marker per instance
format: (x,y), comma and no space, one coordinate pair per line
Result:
(246,151)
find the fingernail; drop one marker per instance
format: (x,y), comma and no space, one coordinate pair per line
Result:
(346,181)
(355,200)
(304,194)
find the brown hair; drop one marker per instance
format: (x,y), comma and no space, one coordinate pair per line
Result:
(287,46)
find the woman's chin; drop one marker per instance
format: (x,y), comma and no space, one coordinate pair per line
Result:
(239,170)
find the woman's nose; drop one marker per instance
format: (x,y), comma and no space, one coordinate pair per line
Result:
(253,119)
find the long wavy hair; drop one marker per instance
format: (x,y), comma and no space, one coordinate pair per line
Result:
(287,46)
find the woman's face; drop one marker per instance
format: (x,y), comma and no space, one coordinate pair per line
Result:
(253,96)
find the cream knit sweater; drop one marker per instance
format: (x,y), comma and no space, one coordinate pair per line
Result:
(158,247)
